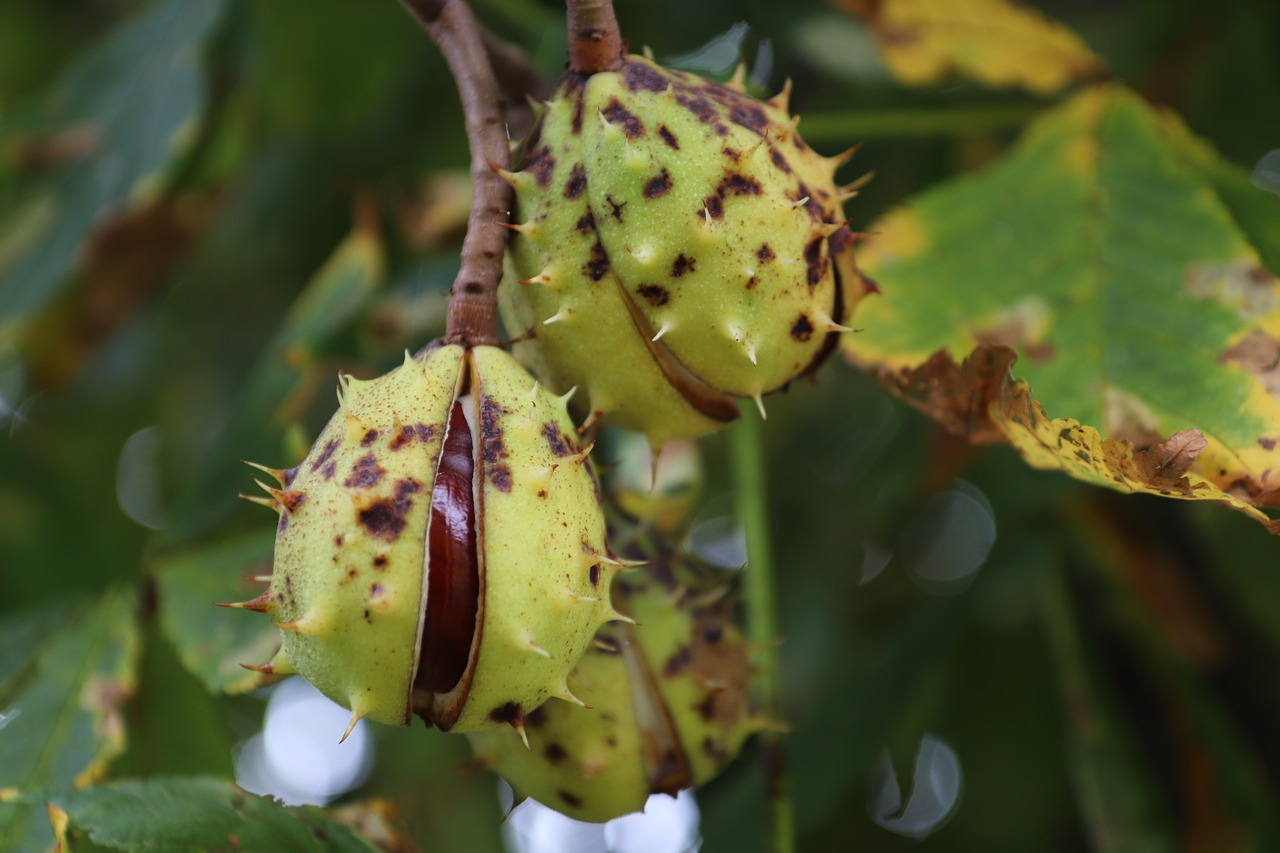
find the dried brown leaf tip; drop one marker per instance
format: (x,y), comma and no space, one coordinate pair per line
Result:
(981,400)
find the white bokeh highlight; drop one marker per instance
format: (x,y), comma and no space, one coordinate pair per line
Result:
(297,757)
(935,789)
(667,825)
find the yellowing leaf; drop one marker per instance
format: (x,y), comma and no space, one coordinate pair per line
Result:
(981,400)
(1100,250)
(995,42)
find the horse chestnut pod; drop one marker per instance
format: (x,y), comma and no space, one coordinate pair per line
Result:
(441,550)
(677,245)
(670,704)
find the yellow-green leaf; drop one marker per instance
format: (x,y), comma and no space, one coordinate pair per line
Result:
(64,679)
(995,42)
(1099,249)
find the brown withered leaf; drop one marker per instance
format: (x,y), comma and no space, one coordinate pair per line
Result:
(980,400)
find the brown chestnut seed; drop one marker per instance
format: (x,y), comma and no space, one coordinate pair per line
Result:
(452,566)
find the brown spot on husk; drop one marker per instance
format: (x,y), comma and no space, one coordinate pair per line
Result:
(542,165)
(555,753)
(593,575)
(815,261)
(586,223)
(683,264)
(369,438)
(492,449)
(658,186)
(561,444)
(509,713)
(615,113)
(577,182)
(713,206)
(597,266)
(703,109)
(765,254)
(385,518)
(570,799)
(802,329)
(655,293)
(738,185)
(668,137)
(366,473)
(616,207)
(778,160)
(642,77)
(329,447)
(573,84)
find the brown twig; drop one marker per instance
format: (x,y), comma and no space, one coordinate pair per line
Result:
(511,65)
(473,305)
(595,43)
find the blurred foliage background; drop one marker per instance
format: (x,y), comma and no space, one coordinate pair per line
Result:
(208,210)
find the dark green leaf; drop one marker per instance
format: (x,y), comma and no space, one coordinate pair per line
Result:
(179,815)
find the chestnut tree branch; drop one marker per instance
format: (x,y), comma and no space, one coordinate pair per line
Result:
(473,305)
(595,43)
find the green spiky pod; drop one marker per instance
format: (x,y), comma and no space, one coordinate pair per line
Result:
(677,245)
(441,550)
(669,705)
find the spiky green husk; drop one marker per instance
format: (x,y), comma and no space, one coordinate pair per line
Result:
(668,708)
(347,589)
(654,202)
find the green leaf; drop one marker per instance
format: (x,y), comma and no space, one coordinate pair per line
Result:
(289,374)
(116,116)
(213,641)
(185,814)
(1143,317)
(62,706)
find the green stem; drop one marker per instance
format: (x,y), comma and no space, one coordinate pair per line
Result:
(836,127)
(752,506)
